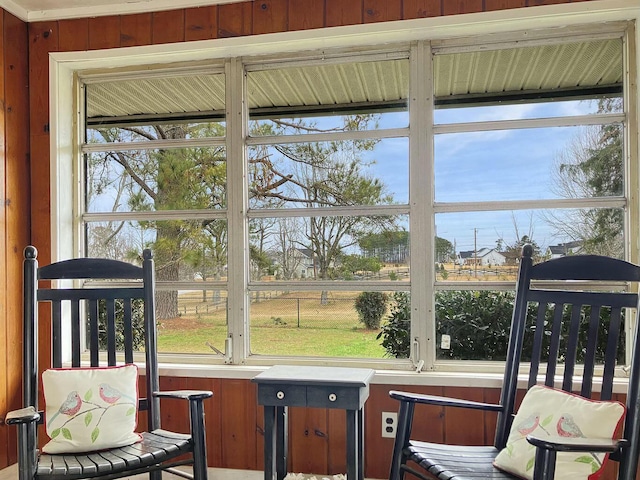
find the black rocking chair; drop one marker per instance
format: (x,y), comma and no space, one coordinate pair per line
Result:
(559,285)
(106,314)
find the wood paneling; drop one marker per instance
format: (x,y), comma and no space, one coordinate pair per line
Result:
(339,12)
(309,428)
(43,39)
(4,323)
(213,417)
(234,19)
(453,7)
(421,8)
(305,14)
(238,426)
(104,32)
(175,412)
(73,34)
(337,441)
(534,3)
(16,196)
(14,214)
(503,4)
(168,27)
(201,23)
(382,10)
(270,16)
(135,30)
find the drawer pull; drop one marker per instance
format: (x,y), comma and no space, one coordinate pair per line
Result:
(280,395)
(332,397)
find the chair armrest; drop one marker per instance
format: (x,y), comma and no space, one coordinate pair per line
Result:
(24,415)
(562,444)
(185,394)
(443,401)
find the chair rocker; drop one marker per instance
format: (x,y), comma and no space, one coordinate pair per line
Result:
(540,314)
(111,315)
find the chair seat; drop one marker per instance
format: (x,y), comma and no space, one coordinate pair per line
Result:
(155,447)
(456,462)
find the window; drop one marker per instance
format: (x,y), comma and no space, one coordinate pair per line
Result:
(356,204)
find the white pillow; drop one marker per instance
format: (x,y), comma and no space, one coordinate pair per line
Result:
(555,413)
(90,409)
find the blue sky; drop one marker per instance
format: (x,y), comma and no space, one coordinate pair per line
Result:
(487,166)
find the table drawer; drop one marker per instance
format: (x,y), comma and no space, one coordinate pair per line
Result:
(282,395)
(347,398)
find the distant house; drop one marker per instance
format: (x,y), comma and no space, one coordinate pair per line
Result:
(483,256)
(305,262)
(564,249)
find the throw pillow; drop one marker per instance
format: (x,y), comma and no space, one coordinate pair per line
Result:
(556,413)
(90,409)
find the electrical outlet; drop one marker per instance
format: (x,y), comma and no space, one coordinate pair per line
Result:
(389,424)
(445,342)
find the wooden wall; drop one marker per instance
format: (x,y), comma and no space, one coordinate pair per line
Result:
(234,420)
(14,211)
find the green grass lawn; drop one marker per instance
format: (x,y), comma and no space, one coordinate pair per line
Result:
(292,324)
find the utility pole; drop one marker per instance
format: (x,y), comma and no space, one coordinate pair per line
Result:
(475,252)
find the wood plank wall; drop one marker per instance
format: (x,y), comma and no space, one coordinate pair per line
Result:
(234,420)
(14,212)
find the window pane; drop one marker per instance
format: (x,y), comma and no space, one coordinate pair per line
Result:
(524,82)
(153,180)
(525,110)
(328,174)
(184,250)
(487,244)
(152,100)
(472,325)
(529,164)
(331,122)
(198,325)
(177,130)
(327,93)
(475,325)
(329,248)
(324,324)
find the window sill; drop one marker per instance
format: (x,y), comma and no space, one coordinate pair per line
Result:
(382,377)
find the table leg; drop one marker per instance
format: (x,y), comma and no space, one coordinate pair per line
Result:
(354,445)
(360,433)
(281,442)
(269,442)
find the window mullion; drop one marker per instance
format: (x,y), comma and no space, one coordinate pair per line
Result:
(237,249)
(422,221)
(631,147)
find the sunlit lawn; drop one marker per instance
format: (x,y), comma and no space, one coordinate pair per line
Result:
(291,324)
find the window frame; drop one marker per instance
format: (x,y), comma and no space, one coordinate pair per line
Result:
(67,239)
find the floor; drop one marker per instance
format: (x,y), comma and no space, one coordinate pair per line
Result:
(11,473)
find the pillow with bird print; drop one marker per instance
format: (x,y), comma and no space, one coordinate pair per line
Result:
(90,409)
(555,413)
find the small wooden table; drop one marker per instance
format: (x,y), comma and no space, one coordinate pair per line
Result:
(284,386)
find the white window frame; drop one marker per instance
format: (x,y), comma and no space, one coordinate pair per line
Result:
(450,32)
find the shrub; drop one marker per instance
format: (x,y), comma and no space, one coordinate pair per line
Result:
(395,331)
(137,325)
(371,307)
(479,324)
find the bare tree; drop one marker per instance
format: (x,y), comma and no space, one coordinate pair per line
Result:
(592,166)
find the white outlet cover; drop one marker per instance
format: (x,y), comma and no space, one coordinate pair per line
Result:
(389,424)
